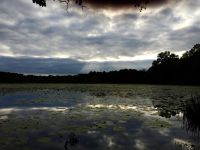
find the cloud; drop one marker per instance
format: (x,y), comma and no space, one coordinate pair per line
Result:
(30,31)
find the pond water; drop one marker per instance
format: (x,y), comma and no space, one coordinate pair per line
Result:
(98,117)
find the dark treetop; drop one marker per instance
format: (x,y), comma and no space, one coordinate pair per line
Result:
(167,69)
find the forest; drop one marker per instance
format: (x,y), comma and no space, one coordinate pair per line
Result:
(169,68)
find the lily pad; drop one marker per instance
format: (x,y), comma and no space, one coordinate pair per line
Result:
(44,140)
(118,128)
(157,123)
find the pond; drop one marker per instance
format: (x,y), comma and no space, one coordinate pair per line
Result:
(99,117)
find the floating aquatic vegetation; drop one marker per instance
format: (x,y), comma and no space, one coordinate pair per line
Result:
(157,123)
(119,110)
(184,145)
(100,125)
(6,129)
(118,128)
(26,148)
(40,100)
(77,128)
(21,141)
(45,140)
(6,140)
(167,113)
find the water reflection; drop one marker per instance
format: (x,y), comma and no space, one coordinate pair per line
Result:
(72,140)
(123,117)
(168,107)
(190,109)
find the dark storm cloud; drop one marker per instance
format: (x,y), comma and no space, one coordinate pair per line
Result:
(63,66)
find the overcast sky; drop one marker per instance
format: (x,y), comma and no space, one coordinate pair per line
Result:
(51,40)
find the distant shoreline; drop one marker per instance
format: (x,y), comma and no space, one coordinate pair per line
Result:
(168,69)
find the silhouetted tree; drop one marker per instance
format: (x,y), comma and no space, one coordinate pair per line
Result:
(167,69)
(195,51)
(141,4)
(164,58)
(40,2)
(190,65)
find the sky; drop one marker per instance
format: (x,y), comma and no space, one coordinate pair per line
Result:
(56,40)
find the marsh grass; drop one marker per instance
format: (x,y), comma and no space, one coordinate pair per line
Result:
(191,115)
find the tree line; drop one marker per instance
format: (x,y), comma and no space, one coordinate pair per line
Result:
(168,68)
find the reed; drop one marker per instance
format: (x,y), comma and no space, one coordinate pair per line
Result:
(191,115)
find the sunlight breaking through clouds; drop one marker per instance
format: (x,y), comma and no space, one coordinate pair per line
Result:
(104,35)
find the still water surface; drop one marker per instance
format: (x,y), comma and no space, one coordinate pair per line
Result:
(98,117)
